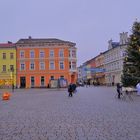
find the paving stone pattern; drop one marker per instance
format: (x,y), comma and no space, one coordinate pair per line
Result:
(91,114)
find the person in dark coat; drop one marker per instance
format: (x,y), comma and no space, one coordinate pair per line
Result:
(119,89)
(74,88)
(70,90)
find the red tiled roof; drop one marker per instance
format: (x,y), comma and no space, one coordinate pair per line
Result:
(6,45)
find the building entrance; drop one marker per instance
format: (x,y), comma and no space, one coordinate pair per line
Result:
(22,82)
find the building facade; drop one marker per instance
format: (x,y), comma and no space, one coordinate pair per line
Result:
(42,60)
(113,59)
(85,72)
(79,72)
(7,65)
(100,69)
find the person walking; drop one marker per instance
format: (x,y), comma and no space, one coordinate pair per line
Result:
(70,90)
(119,89)
(74,88)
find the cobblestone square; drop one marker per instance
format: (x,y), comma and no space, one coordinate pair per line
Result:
(93,113)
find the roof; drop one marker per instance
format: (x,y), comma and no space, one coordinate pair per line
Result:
(115,44)
(88,61)
(43,40)
(7,45)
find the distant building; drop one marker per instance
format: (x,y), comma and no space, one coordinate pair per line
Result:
(100,69)
(85,72)
(42,60)
(106,68)
(7,64)
(79,73)
(94,70)
(113,59)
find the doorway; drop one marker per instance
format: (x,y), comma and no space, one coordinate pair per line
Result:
(22,82)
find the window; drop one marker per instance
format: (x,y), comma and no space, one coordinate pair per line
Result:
(4,68)
(32,54)
(42,81)
(124,54)
(32,66)
(73,53)
(52,77)
(22,66)
(11,55)
(73,65)
(42,54)
(52,67)
(70,65)
(61,65)
(61,53)
(22,55)
(51,53)
(69,53)
(32,81)
(61,77)
(11,67)
(42,66)
(4,55)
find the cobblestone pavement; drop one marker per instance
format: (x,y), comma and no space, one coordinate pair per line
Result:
(91,114)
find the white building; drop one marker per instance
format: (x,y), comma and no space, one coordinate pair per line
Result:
(113,59)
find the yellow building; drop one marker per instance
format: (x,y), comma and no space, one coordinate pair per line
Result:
(7,65)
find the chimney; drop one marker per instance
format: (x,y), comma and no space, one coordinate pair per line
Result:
(9,42)
(29,37)
(110,44)
(123,38)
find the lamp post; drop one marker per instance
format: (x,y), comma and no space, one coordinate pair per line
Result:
(12,78)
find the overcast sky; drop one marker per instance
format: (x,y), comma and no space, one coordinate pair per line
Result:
(88,23)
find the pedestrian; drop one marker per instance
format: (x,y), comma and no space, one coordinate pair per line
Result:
(12,87)
(119,89)
(70,89)
(88,82)
(138,88)
(74,88)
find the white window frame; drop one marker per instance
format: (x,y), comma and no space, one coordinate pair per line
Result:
(32,54)
(22,54)
(41,54)
(61,62)
(51,53)
(73,66)
(32,68)
(42,67)
(22,66)
(50,66)
(61,53)
(73,53)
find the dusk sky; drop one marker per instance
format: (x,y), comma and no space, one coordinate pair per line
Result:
(88,23)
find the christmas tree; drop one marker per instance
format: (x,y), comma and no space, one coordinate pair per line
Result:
(131,67)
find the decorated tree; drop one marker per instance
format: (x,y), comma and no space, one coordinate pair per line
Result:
(131,67)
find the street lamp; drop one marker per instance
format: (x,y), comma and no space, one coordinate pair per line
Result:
(12,78)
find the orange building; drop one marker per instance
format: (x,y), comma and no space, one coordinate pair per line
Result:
(42,60)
